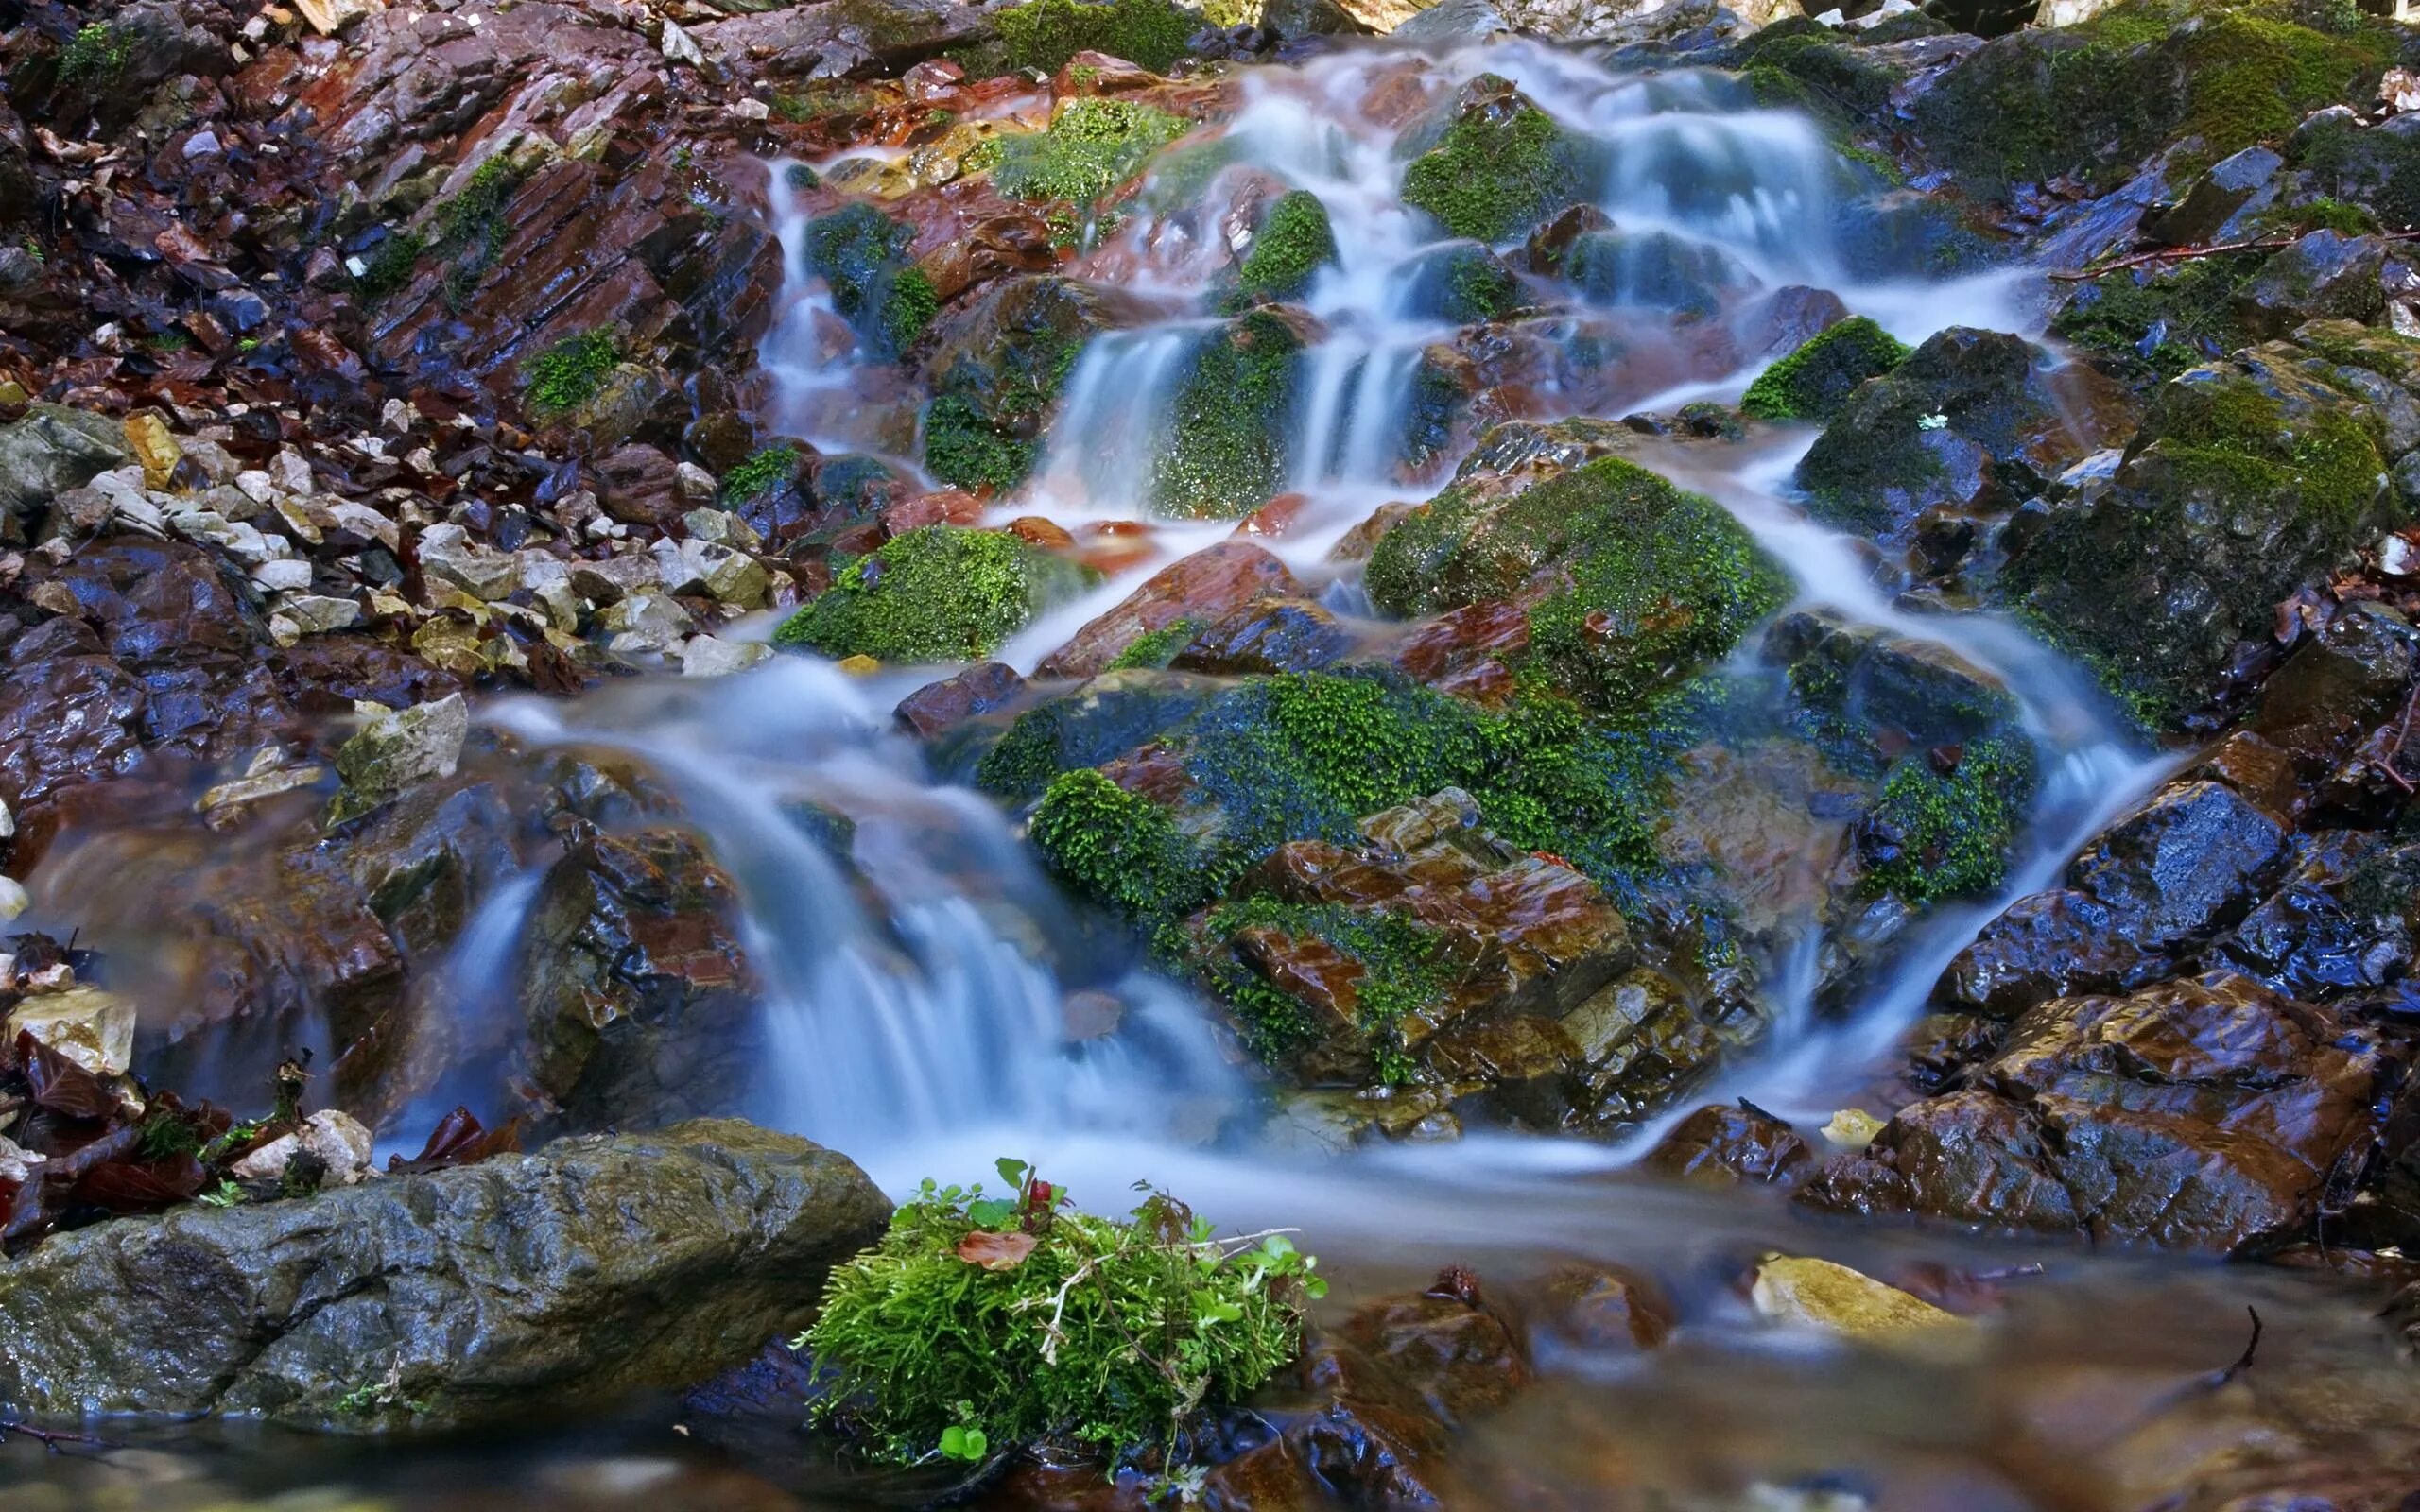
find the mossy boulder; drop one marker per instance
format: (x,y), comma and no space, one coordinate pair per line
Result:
(2093,100)
(862,255)
(1043,34)
(1496,164)
(1462,282)
(1092,147)
(1631,583)
(998,369)
(939,594)
(1815,381)
(2250,477)
(2323,275)
(1231,438)
(1293,242)
(1973,421)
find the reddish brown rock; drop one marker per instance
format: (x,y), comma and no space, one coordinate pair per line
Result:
(1726,1145)
(936,706)
(1598,1309)
(1203,587)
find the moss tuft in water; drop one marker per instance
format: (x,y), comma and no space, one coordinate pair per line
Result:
(765,470)
(568,373)
(862,253)
(1231,423)
(1294,242)
(1093,147)
(1813,382)
(1935,835)
(1043,34)
(1501,166)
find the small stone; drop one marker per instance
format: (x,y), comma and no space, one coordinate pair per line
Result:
(153,447)
(339,1140)
(319,613)
(285,575)
(446,551)
(645,622)
(93,1028)
(1808,1293)
(709,656)
(723,528)
(13,899)
(858,666)
(691,481)
(400,748)
(1852,1128)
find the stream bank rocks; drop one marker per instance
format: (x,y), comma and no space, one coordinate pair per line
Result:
(597,1267)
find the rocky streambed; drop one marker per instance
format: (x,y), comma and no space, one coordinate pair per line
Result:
(1722,693)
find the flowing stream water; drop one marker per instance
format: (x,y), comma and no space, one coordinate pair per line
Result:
(914,1011)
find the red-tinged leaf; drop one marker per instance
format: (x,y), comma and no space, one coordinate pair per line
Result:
(995,1251)
(59,1083)
(459,1140)
(147,1186)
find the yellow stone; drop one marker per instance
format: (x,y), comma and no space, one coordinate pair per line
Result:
(154,447)
(12,392)
(1810,1293)
(859,666)
(1852,1128)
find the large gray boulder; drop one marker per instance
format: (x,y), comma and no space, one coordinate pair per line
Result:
(51,450)
(599,1265)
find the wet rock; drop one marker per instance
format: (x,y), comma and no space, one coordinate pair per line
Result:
(91,1027)
(1229,449)
(447,552)
(1724,1145)
(637,996)
(2221,202)
(2323,275)
(2248,477)
(2048,945)
(2184,863)
(1599,1309)
(597,1266)
(400,748)
(978,690)
(51,450)
(1654,270)
(1970,420)
(2204,1113)
(1204,587)
(1804,1291)
(1268,635)
(1498,165)
(998,365)
(337,1141)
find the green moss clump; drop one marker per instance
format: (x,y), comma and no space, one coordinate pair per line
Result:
(96,55)
(1478,287)
(1232,429)
(390,267)
(1118,847)
(1093,147)
(765,468)
(1294,242)
(1931,837)
(1043,34)
(1501,166)
(939,594)
(2160,324)
(1157,649)
(2379,169)
(910,308)
(962,449)
(983,1325)
(568,373)
(1812,70)
(1653,581)
(1813,382)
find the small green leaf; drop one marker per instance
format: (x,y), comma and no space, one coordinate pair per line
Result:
(1012,1172)
(991,1212)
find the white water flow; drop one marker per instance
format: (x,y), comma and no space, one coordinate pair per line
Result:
(917,986)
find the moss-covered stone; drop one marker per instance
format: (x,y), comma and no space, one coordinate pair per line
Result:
(765,468)
(2249,477)
(2157,323)
(1232,426)
(1294,242)
(998,369)
(936,594)
(1810,67)
(1654,270)
(1813,382)
(1499,167)
(1641,582)
(1118,847)
(1465,283)
(1935,835)
(2094,99)
(862,254)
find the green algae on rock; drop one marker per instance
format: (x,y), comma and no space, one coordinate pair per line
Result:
(1813,382)
(568,373)
(862,254)
(1294,242)
(939,593)
(1043,34)
(1638,582)
(1232,425)
(1092,146)
(997,369)
(1934,834)
(1499,166)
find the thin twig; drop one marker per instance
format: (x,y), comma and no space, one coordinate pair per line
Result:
(2251,1348)
(2180,255)
(51,1439)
